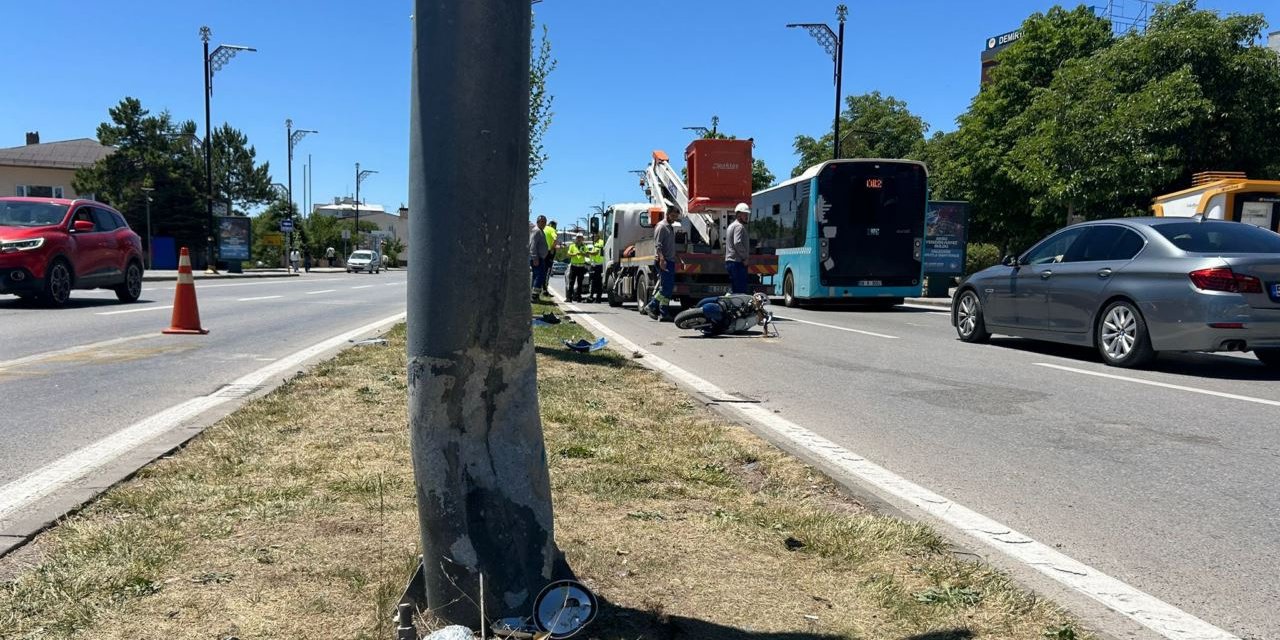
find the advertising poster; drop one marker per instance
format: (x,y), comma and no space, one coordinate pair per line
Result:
(233,238)
(946,232)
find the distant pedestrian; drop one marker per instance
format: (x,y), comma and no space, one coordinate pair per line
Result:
(538,257)
(329,256)
(664,245)
(306,260)
(295,258)
(737,248)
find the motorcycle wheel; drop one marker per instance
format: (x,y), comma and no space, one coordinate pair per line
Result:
(692,319)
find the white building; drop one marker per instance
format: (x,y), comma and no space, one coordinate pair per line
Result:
(390,225)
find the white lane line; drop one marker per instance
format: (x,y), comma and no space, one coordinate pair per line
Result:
(392,284)
(1143,608)
(37,357)
(313,293)
(116,313)
(1164,385)
(364,286)
(832,326)
(31,488)
(258,298)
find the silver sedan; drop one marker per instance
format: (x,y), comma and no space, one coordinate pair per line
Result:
(1133,287)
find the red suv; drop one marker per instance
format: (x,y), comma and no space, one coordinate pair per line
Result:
(49,246)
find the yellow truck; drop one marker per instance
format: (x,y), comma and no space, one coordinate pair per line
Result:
(1225,196)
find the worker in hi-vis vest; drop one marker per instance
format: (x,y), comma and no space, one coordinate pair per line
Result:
(595,255)
(577,269)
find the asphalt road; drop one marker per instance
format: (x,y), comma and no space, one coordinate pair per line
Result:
(63,389)
(1172,490)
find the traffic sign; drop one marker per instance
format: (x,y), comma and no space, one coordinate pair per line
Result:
(286,225)
(272,239)
(346,234)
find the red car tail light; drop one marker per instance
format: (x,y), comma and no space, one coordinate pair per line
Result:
(1224,279)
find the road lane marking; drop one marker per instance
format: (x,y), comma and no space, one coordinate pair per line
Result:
(30,489)
(1139,606)
(37,357)
(832,326)
(364,286)
(258,298)
(1164,385)
(116,313)
(312,293)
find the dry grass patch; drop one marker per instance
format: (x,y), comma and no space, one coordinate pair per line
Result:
(295,517)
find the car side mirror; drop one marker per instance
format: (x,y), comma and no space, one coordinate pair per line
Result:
(1010,261)
(82,226)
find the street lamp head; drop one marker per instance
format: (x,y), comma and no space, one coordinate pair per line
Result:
(205,32)
(842,12)
(223,54)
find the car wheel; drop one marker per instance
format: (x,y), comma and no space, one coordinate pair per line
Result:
(1122,336)
(57,284)
(789,291)
(1269,357)
(970,325)
(131,290)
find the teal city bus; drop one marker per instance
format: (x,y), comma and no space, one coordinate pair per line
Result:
(846,230)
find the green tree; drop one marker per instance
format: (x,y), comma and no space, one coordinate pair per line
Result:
(392,249)
(761,177)
(540,68)
(1076,122)
(871,126)
(154,151)
(974,163)
(237,177)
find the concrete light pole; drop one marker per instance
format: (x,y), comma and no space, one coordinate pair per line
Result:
(484,495)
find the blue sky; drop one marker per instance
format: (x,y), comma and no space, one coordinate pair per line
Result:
(630,75)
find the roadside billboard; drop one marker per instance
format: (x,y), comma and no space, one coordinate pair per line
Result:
(945,237)
(234,238)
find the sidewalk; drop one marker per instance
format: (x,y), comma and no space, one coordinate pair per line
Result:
(940,303)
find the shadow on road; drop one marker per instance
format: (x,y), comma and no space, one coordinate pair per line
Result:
(73,303)
(1191,365)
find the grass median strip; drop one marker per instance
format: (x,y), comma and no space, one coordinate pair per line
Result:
(296,515)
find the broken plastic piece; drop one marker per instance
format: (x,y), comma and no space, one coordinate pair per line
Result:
(582,346)
(371,341)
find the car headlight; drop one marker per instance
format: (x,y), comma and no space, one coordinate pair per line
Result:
(12,246)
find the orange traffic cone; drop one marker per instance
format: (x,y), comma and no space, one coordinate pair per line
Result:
(186,314)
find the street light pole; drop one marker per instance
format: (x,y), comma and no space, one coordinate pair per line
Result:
(833,43)
(292,138)
(213,62)
(147,192)
(360,176)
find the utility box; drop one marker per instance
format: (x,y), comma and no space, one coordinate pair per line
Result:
(719,173)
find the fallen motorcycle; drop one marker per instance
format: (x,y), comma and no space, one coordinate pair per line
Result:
(733,313)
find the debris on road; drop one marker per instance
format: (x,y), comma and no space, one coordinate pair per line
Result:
(582,346)
(375,342)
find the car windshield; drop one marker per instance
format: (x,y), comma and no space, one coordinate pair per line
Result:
(31,214)
(361,255)
(1220,237)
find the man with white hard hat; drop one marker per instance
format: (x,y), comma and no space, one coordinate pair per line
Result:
(736,249)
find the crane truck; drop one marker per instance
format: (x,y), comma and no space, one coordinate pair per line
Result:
(719,178)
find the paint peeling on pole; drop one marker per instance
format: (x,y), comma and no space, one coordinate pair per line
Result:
(484,496)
